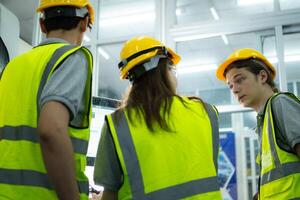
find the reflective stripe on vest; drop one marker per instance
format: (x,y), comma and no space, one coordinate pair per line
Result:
(187,189)
(281,169)
(33,178)
(57,55)
(30,134)
(215,131)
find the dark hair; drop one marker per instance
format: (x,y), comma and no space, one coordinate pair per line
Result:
(254,66)
(61,22)
(151,96)
(65,23)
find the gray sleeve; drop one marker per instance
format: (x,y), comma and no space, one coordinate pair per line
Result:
(67,83)
(286,112)
(107,171)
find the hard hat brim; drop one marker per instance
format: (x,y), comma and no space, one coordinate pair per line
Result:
(225,65)
(222,68)
(134,62)
(175,57)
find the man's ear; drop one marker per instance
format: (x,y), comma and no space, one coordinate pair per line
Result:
(84,24)
(42,25)
(263,76)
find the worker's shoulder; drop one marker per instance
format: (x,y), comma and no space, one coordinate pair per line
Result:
(195,102)
(283,98)
(21,57)
(84,50)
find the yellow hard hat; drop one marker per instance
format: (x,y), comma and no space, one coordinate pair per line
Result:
(76,3)
(139,49)
(243,54)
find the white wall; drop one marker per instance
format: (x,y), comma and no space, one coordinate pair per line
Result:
(9,31)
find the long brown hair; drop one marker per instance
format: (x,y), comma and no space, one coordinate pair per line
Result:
(151,96)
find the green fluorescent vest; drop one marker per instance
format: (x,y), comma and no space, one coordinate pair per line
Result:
(22,171)
(280,170)
(167,166)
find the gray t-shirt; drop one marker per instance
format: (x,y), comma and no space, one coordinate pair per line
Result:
(67,85)
(286,115)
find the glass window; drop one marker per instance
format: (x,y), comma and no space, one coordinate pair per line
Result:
(198,11)
(197,69)
(268,42)
(289,4)
(291,87)
(225,120)
(4,56)
(298,89)
(214,97)
(249,119)
(292,54)
(90,34)
(256,151)
(109,84)
(250,189)
(125,19)
(248,156)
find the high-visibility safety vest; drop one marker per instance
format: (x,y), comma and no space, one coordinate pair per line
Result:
(22,170)
(161,165)
(280,170)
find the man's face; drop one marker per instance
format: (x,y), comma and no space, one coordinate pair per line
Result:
(245,86)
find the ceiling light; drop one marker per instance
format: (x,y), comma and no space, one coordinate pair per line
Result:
(214,13)
(103,53)
(225,39)
(252,2)
(184,38)
(196,68)
(216,17)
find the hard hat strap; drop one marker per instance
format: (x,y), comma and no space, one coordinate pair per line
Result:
(263,65)
(65,11)
(141,69)
(124,62)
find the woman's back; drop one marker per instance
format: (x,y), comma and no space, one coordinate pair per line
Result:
(177,160)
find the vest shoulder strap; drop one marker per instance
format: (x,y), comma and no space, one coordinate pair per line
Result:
(49,67)
(214,121)
(290,95)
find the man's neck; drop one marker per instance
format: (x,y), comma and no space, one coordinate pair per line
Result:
(70,36)
(265,95)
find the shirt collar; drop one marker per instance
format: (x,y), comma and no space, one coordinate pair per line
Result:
(53,40)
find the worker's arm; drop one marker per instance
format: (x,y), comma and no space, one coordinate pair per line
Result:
(109,195)
(57,149)
(297,149)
